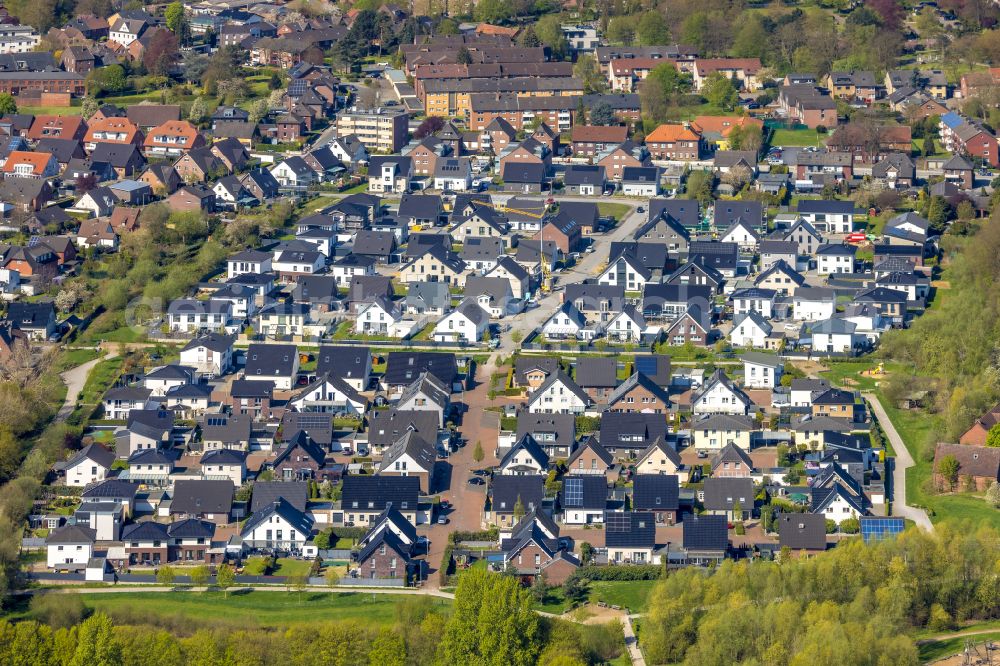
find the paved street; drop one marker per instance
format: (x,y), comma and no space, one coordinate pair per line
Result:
(587,267)
(466,500)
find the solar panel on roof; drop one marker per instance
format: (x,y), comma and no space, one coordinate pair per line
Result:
(618,522)
(646,365)
(879,528)
(33,241)
(573,492)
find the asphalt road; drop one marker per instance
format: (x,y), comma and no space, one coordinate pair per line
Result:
(588,267)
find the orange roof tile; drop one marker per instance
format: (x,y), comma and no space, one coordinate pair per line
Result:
(724,124)
(113,126)
(671,133)
(181,129)
(55,127)
(38,161)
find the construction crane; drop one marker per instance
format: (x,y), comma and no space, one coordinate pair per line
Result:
(546,285)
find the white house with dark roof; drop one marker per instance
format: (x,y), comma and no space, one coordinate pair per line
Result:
(719,395)
(275,363)
(466,323)
(90,465)
(834,258)
(70,547)
(750,330)
(761,371)
(559,395)
(210,354)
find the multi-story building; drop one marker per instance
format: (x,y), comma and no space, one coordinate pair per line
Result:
(452,97)
(381,130)
(556,111)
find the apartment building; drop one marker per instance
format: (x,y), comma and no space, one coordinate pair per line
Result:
(381,130)
(556,111)
(452,97)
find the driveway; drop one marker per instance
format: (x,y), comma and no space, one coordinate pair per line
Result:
(902,462)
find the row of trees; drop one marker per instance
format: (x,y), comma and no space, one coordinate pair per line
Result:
(491,623)
(856,604)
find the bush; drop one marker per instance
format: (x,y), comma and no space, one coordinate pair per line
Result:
(459,536)
(831,526)
(587,424)
(620,572)
(850,526)
(57,610)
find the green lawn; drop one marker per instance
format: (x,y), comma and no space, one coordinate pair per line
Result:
(629,594)
(797,137)
(101,377)
(51,110)
(935,650)
(611,209)
(70,358)
(288,567)
(918,428)
(250,609)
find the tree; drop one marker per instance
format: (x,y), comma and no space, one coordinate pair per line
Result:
(993,437)
(948,469)
(699,186)
(929,147)
(225,576)
(7,104)
(589,73)
(493,11)
(162,53)
(719,91)
(652,29)
(622,29)
(586,551)
(528,38)
(737,177)
(602,114)
(519,510)
(106,79)
(332,577)
(492,622)
(258,110)
(550,34)
(429,126)
(477,453)
(198,575)
(199,111)
(297,582)
(387,649)
(165,575)
(463,57)
(831,525)
(88,107)
(516,336)
(746,137)
(85,182)
(174,17)
(96,643)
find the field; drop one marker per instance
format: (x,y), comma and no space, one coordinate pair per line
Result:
(250,609)
(70,358)
(796,137)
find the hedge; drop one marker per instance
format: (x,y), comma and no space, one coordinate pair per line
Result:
(619,572)
(491,534)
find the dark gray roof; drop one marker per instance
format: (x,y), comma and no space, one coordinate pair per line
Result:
(270,360)
(562,426)
(224,457)
(266,493)
(94,452)
(505,491)
(199,496)
(620,430)
(721,494)
(629,529)
(344,362)
(301,521)
(191,528)
(705,532)
(802,531)
(584,491)
(362,492)
(112,489)
(655,492)
(403,367)
(71,534)
(597,372)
